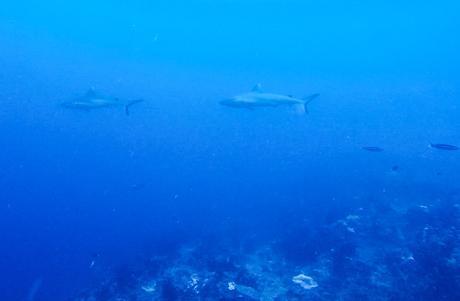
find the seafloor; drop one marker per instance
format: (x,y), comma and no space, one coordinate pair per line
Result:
(382,252)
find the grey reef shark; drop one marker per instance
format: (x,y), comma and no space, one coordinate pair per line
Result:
(93,100)
(258,98)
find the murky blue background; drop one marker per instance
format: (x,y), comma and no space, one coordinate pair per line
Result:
(75,186)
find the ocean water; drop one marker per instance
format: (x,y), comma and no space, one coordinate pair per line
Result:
(187,199)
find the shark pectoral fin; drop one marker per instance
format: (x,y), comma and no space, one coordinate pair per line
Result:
(131,103)
(90,93)
(257,88)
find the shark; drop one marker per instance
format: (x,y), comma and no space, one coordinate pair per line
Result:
(258,98)
(94,100)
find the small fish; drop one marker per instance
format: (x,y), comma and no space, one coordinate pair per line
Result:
(395,168)
(374,149)
(444,146)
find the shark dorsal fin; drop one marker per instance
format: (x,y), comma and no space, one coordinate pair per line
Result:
(90,93)
(257,89)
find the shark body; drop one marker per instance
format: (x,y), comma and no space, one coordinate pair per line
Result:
(258,98)
(93,100)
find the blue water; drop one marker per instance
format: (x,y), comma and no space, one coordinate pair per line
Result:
(200,201)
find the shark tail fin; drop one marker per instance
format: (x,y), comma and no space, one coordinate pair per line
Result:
(306,101)
(131,103)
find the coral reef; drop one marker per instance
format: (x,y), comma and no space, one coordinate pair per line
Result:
(383,252)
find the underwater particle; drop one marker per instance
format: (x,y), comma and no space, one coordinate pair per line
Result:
(424,208)
(136,186)
(351,230)
(248,292)
(231,286)
(374,149)
(395,168)
(34,289)
(193,283)
(149,287)
(94,259)
(441,146)
(408,258)
(305,281)
(352,217)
